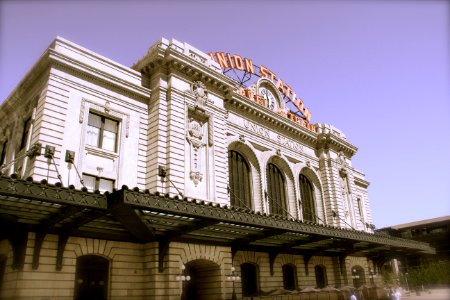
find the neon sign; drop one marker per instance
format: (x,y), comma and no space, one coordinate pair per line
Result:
(237,62)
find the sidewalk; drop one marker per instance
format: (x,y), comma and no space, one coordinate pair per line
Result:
(432,294)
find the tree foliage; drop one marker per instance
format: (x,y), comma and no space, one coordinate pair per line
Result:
(429,274)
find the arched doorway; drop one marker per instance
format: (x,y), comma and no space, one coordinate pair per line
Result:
(250,281)
(321,276)
(91,279)
(358,276)
(205,281)
(289,277)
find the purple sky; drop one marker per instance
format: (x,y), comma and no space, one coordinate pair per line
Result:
(377,70)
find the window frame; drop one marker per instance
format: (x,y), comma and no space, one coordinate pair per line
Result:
(99,142)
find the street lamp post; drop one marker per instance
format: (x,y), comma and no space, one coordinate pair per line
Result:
(372,275)
(233,277)
(183,277)
(406,279)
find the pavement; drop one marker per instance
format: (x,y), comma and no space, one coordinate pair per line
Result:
(432,294)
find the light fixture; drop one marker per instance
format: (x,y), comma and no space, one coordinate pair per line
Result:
(233,276)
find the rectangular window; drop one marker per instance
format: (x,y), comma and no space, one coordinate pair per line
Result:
(102,132)
(26,130)
(94,183)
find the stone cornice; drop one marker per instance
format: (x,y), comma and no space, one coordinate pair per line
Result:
(92,72)
(13,99)
(54,54)
(187,60)
(361,182)
(330,141)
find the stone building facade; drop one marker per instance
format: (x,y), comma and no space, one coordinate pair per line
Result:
(118,183)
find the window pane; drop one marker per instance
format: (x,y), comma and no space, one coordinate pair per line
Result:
(92,136)
(111,125)
(106,185)
(95,120)
(109,140)
(89,182)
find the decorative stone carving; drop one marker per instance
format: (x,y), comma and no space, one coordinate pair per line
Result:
(242,138)
(342,160)
(99,171)
(200,93)
(195,137)
(107,107)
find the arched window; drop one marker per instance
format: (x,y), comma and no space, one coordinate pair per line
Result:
(91,279)
(289,277)
(276,191)
(321,276)
(307,198)
(239,180)
(249,277)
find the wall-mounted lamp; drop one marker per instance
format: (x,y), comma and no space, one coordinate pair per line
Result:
(355,274)
(184,277)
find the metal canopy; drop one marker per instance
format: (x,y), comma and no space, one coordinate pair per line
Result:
(136,216)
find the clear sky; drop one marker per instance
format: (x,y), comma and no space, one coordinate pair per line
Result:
(377,70)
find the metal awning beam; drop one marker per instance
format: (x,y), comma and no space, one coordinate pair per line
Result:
(197,209)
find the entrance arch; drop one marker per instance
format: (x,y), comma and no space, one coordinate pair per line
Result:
(250,281)
(205,283)
(91,279)
(358,276)
(321,276)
